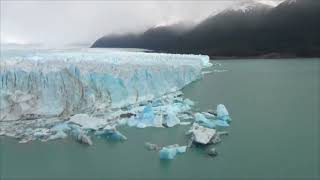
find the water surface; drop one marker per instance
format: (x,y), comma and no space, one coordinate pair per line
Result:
(274,134)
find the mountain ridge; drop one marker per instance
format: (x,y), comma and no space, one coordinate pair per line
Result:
(287,30)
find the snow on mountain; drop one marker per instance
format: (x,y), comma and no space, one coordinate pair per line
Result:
(250,5)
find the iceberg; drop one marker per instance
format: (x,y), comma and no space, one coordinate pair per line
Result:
(146,117)
(222,113)
(80,135)
(162,112)
(169,152)
(88,122)
(212,152)
(201,134)
(202,120)
(221,123)
(152,147)
(110,132)
(41,132)
(60,127)
(170,119)
(208,115)
(58,135)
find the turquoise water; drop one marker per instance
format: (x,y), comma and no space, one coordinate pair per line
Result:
(274,134)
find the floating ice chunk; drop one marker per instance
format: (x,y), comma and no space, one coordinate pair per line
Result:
(169,152)
(206,72)
(141,125)
(185,123)
(212,152)
(58,135)
(110,132)
(80,135)
(208,115)
(181,149)
(59,130)
(170,119)
(41,132)
(206,61)
(221,123)
(85,139)
(60,127)
(152,147)
(132,122)
(88,122)
(202,120)
(185,116)
(188,101)
(178,107)
(146,117)
(122,122)
(222,113)
(201,134)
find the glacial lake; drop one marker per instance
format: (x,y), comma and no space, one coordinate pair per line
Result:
(274,134)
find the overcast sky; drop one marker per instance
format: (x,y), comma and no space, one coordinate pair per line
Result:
(63,22)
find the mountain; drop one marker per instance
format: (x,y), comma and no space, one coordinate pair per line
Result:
(154,38)
(247,30)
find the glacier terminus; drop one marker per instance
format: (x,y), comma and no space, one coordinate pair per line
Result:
(50,94)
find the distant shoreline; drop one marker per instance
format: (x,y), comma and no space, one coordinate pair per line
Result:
(263,56)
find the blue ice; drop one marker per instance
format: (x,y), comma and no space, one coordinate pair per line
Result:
(222,113)
(169,152)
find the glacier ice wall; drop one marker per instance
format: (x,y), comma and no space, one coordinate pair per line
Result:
(61,83)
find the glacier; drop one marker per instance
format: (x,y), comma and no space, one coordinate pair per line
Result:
(60,83)
(54,92)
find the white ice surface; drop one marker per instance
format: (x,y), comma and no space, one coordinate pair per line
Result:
(61,83)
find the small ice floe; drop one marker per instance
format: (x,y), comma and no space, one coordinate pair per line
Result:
(169,152)
(221,123)
(85,139)
(212,152)
(110,132)
(206,72)
(222,113)
(185,123)
(58,135)
(41,133)
(217,137)
(152,147)
(200,134)
(80,135)
(205,136)
(188,102)
(208,115)
(209,120)
(170,119)
(88,122)
(122,122)
(145,118)
(166,112)
(60,127)
(202,120)
(220,70)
